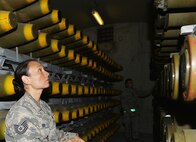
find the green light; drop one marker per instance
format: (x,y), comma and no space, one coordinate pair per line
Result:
(133,110)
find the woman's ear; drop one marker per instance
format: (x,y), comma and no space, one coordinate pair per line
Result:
(25,79)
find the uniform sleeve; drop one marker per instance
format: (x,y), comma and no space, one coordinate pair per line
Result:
(65,136)
(56,134)
(60,135)
(19,127)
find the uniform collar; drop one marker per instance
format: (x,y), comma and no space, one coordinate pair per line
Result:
(36,105)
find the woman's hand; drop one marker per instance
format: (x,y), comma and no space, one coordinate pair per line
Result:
(76,139)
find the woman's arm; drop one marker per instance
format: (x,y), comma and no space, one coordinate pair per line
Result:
(20,128)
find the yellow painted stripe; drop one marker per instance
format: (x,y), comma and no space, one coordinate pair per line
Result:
(86,110)
(65,89)
(73,89)
(5,24)
(78,35)
(85,138)
(104,91)
(70,54)
(97,130)
(98,91)
(90,45)
(62,24)
(77,60)
(93,132)
(81,112)
(55,16)
(74,114)
(105,58)
(85,40)
(99,53)
(86,90)
(84,61)
(91,90)
(80,90)
(65,115)
(90,63)
(7,85)
(55,88)
(2,129)
(91,109)
(102,55)
(54,45)
(56,116)
(44,6)
(95,108)
(62,52)
(70,30)
(43,39)
(89,136)
(28,32)
(94,65)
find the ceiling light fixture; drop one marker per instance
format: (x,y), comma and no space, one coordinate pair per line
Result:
(97,17)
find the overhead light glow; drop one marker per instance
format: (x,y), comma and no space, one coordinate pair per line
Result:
(97,17)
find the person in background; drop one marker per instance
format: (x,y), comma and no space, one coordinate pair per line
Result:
(30,119)
(130,109)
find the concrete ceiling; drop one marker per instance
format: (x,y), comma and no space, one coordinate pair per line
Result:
(78,12)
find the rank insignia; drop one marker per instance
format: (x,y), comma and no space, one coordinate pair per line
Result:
(22,128)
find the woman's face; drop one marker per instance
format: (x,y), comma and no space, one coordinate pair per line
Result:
(37,75)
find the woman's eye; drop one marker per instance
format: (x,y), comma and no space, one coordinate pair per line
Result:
(39,70)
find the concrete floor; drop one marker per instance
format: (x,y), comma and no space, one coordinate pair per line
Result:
(119,137)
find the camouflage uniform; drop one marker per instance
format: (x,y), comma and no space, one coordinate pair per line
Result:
(30,121)
(129,99)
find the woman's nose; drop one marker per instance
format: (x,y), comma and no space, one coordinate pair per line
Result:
(46,73)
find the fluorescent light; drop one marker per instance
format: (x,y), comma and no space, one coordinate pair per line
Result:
(97,17)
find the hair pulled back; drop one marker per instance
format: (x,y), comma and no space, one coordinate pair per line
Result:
(21,69)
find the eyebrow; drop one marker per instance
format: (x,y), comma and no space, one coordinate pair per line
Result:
(39,65)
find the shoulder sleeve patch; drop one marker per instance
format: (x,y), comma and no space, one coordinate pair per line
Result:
(22,128)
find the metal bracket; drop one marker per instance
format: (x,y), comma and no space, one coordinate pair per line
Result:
(68,76)
(54,76)
(6,105)
(9,59)
(84,79)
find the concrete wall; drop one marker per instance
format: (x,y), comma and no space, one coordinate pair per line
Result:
(131,48)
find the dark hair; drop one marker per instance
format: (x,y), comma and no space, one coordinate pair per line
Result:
(127,80)
(21,69)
